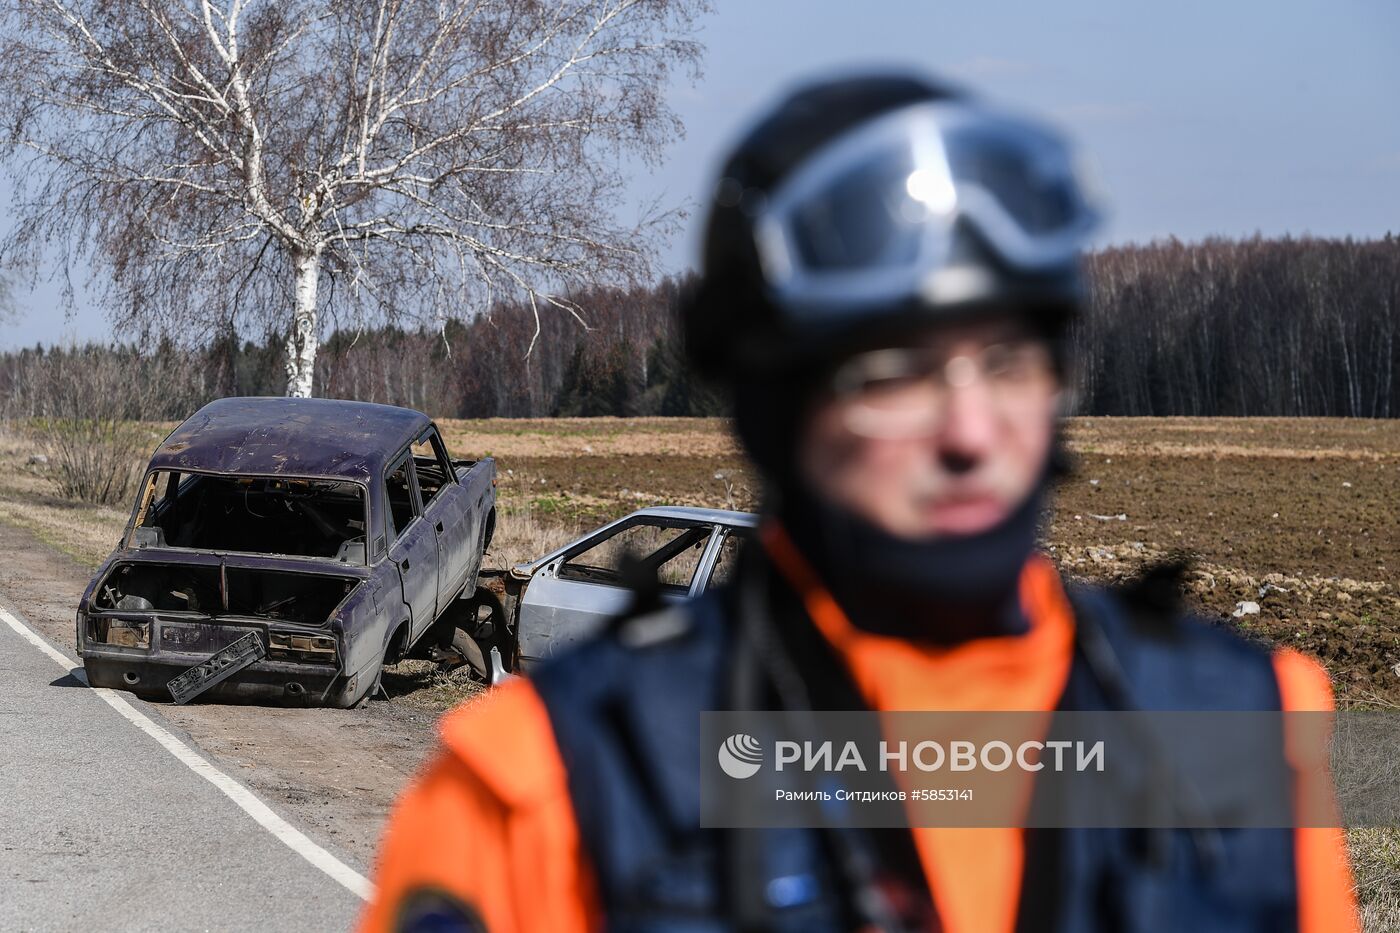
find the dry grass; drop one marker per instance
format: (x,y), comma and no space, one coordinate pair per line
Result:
(522,534)
(422,685)
(29,500)
(508,438)
(1287,438)
(1375,862)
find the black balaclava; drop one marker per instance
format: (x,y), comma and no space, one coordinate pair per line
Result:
(943,590)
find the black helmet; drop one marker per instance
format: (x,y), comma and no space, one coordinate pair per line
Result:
(864,206)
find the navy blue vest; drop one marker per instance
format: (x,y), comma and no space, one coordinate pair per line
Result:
(625,710)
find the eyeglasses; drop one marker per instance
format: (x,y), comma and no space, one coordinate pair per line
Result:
(903,392)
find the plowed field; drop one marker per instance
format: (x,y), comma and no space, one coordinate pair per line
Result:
(1300,517)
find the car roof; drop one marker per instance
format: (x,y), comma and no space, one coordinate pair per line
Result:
(679,512)
(290,436)
(715,516)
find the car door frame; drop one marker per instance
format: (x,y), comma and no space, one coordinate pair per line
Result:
(710,560)
(587,623)
(451,518)
(416,533)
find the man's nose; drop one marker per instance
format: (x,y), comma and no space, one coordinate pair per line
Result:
(968,427)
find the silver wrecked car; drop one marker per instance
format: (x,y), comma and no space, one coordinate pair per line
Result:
(570,593)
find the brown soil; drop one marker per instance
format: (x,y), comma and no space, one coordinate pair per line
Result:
(1304,510)
(1300,517)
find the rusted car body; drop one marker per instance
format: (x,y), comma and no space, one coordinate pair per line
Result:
(341,533)
(570,593)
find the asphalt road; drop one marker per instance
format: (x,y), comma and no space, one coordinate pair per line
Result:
(103,828)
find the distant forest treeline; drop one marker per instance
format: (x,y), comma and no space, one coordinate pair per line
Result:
(1252,327)
(1222,327)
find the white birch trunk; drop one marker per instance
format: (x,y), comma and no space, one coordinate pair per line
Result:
(305,336)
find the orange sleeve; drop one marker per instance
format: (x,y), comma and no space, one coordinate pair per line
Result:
(1326,894)
(488,826)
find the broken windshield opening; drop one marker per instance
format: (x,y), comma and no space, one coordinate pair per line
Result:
(253,514)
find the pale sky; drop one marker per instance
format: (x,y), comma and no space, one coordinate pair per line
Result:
(1204,117)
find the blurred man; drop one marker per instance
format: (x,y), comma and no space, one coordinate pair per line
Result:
(889,271)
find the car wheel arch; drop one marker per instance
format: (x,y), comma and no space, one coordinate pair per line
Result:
(396,645)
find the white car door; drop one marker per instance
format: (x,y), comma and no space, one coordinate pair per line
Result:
(577,593)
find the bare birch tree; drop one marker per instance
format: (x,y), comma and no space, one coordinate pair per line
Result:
(282,161)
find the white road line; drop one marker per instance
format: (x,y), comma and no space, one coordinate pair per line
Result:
(290,836)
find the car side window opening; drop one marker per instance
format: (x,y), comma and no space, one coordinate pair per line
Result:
(167,482)
(159,498)
(400,495)
(727,561)
(159,509)
(431,464)
(672,552)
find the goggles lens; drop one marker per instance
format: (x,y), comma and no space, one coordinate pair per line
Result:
(865,219)
(1029,174)
(871,215)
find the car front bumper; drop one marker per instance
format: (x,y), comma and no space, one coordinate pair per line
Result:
(146,673)
(173,647)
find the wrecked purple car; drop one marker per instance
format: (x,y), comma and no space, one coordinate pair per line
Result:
(283,549)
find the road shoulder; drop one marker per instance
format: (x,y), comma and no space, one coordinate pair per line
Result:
(334,773)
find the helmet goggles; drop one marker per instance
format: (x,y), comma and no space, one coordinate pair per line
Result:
(869,219)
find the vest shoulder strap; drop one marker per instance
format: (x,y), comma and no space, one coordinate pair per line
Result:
(1166,658)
